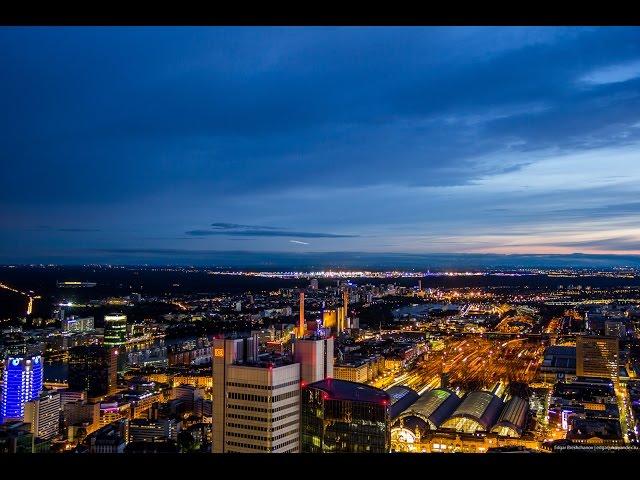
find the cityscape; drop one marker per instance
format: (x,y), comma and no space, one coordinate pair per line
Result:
(408,242)
(356,362)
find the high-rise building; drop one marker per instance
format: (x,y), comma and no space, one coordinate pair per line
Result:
(330,319)
(343,312)
(315,356)
(43,413)
(93,368)
(22,380)
(115,329)
(314,284)
(344,417)
(597,357)
(256,400)
(301,322)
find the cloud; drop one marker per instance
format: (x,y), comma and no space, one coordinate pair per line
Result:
(299,242)
(234,229)
(236,226)
(613,73)
(48,228)
(621,244)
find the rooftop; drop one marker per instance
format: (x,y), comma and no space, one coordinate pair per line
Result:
(345,390)
(401,398)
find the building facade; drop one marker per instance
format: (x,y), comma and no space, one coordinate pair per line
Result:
(115,329)
(597,357)
(344,417)
(43,413)
(256,400)
(22,381)
(315,356)
(93,369)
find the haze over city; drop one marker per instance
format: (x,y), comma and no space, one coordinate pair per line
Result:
(161,145)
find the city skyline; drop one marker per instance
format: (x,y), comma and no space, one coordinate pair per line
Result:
(136,145)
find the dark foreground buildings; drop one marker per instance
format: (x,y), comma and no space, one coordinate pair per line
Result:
(344,417)
(93,369)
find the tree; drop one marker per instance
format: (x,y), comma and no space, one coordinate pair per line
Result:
(187,443)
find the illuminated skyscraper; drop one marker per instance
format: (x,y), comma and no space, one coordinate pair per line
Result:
(21,381)
(256,400)
(115,329)
(597,357)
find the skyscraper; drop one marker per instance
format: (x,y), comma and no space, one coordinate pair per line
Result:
(315,356)
(43,414)
(339,416)
(115,329)
(93,369)
(256,400)
(597,357)
(301,322)
(21,381)
(343,311)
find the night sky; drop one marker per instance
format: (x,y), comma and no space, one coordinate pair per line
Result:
(130,144)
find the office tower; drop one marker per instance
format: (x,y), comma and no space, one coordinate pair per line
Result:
(93,369)
(43,413)
(339,416)
(315,356)
(419,285)
(330,319)
(301,322)
(256,400)
(597,357)
(314,284)
(77,325)
(115,329)
(21,381)
(238,306)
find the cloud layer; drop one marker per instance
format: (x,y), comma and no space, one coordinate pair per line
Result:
(509,140)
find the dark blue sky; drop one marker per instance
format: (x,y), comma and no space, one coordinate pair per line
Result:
(122,144)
